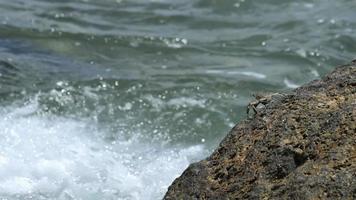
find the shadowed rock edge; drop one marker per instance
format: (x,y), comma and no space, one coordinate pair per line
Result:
(301,147)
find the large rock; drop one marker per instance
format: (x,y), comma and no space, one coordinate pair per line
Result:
(298,146)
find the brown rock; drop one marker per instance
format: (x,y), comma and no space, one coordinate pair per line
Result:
(302,147)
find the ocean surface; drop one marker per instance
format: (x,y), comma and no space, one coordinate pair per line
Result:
(112,99)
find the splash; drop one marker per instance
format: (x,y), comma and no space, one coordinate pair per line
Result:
(51,157)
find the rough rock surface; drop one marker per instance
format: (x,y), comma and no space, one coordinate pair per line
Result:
(300,146)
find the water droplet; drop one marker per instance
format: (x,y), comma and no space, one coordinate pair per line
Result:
(60,83)
(302,53)
(134,44)
(184,41)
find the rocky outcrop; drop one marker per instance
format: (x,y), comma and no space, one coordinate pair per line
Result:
(298,146)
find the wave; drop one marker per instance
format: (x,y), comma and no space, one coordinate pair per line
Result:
(51,157)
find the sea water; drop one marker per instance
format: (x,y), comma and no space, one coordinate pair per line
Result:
(47,157)
(113,99)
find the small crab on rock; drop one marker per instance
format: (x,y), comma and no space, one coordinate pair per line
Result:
(261,101)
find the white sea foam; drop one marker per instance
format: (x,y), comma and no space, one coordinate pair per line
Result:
(302,53)
(290,84)
(315,73)
(245,73)
(49,157)
(158,103)
(186,101)
(252,74)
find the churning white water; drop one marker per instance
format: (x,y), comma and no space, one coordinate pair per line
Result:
(51,157)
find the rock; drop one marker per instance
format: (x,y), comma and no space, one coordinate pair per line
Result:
(302,147)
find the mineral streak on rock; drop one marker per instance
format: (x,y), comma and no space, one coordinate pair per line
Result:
(302,147)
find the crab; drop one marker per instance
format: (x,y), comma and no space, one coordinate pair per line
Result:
(262,100)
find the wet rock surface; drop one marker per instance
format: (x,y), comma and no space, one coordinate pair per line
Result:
(300,146)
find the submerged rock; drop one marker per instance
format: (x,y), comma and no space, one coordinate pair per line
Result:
(302,146)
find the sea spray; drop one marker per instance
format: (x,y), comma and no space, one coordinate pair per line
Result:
(51,157)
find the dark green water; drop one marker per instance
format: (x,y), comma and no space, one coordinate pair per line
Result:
(113,99)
